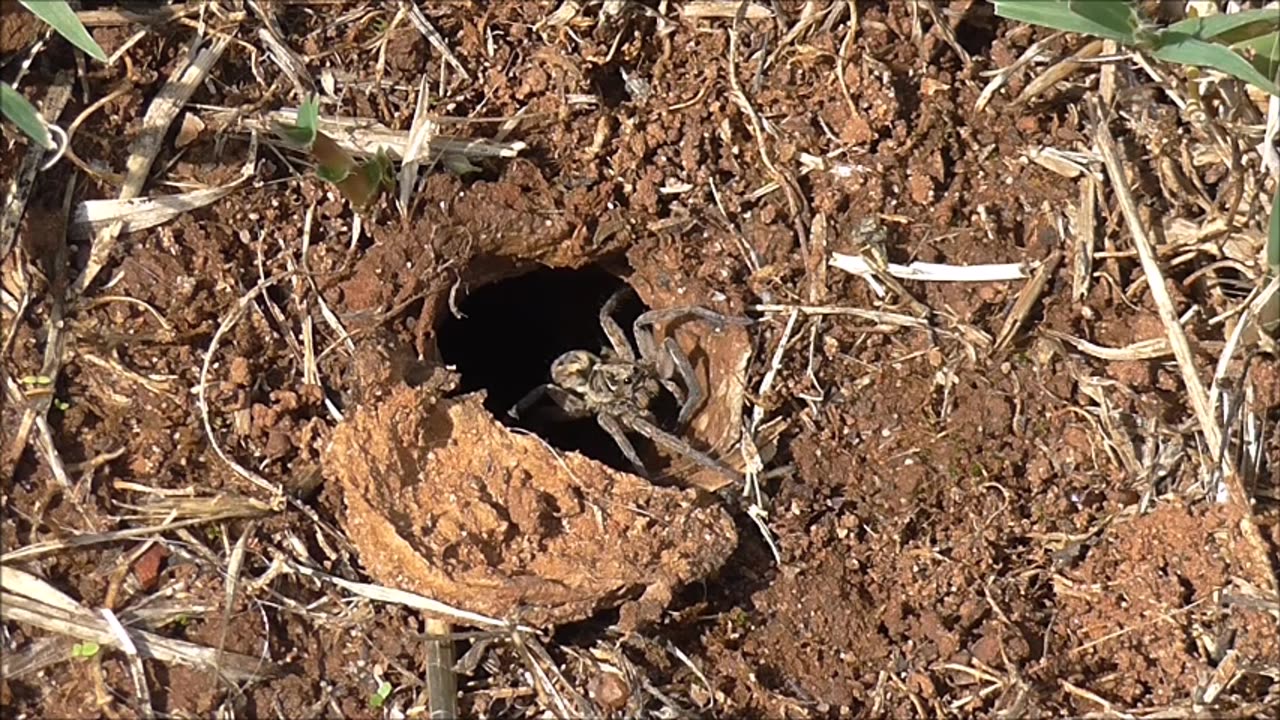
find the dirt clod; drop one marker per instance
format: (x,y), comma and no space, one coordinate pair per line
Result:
(443,500)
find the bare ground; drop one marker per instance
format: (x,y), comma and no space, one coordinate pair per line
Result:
(980,515)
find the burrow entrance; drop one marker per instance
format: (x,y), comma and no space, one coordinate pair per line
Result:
(511,332)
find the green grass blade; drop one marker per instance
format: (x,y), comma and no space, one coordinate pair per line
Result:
(61,18)
(1187,50)
(303,131)
(1263,52)
(1230,29)
(1273,246)
(331,174)
(23,114)
(1119,15)
(1270,319)
(309,115)
(1064,15)
(1253,33)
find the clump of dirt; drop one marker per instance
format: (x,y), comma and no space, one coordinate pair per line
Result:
(443,500)
(1118,608)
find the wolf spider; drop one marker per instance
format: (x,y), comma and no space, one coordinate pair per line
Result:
(618,386)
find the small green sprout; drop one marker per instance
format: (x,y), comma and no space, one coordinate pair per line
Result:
(379,696)
(62,405)
(459,165)
(36,380)
(359,182)
(85,650)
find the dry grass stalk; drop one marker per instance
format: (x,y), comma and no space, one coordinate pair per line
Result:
(114,17)
(944,29)
(1198,395)
(20,185)
(364,137)
(245,509)
(935,272)
(440,678)
(421,133)
(1001,76)
(1027,299)
(45,436)
(242,306)
(94,216)
(21,582)
(279,51)
(1084,239)
(408,599)
(87,626)
(160,114)
(724,9)
(1153,349)
(1057,73)
(878,316)
(434,37)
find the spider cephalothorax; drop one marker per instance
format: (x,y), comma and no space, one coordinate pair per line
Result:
(601,382)
(618,385)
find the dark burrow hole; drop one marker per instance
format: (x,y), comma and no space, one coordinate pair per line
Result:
(511,332)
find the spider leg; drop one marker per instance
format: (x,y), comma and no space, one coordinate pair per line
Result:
(612,330)
(611,425)
(567,401)
(695,393)
(674,359)
(654,317)
(675,445)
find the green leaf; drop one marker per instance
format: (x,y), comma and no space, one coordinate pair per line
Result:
(379,170)
(1232,28)
(309,115)
(86,649)
(1253,33)
(59,16)
(331,174)
(303,131)
(380,695)
(1119,15)
(1187,50)
(23,114)
(1105,22)
(1266,53)
(1273,243)
(459,165)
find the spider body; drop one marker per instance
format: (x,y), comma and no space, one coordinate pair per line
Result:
(619,385)
(603,383)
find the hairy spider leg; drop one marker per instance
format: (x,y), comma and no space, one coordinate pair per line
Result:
(611,425)
(674,360)
(696,393)
(570,403)
(674,444)
(719,320)
(612,330)
(662,366)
